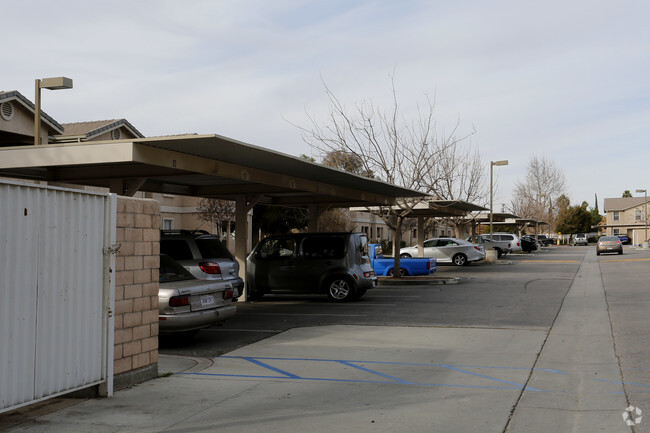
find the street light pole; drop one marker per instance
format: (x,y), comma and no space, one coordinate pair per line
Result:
(492,164)
(54,83)
(645,215)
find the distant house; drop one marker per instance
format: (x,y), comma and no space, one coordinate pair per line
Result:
(17,121)
(17,129)
(626,216)
(115,129)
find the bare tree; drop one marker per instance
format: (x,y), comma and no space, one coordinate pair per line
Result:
(462,175)
(534,197)
(389,147)
(216,212)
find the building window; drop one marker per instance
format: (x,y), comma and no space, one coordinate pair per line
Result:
(617,232)
(380,232)
(168,223)
(617,215)
(637,215)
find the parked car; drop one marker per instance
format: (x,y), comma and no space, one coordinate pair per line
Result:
(580,239)
(529,243)
(544,240)
(515,241)
(609,244)
(385,266)
(336,264)
(203,255)
(447,250)
(187,304)
(501,247)
(624,239)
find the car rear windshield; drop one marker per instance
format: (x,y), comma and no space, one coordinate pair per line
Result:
(172,271)
(212,248)
(178,249)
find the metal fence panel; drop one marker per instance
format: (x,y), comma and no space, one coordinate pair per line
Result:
(53,327)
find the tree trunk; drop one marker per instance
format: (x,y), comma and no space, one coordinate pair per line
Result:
(396,247)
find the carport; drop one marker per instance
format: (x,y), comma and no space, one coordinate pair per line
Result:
(440,209)
(209,166)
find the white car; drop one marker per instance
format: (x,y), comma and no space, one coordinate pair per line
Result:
(447,250)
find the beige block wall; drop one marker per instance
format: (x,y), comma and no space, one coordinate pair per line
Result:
(136,287)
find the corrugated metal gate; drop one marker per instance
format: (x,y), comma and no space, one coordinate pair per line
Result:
(56,294)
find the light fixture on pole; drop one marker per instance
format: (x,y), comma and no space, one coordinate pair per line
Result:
(54,83)
(492,164)
(645,215)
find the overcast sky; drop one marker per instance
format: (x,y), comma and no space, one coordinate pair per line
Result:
(567,80)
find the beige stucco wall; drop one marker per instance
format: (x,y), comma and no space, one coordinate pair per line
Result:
(136,290)
(22,123)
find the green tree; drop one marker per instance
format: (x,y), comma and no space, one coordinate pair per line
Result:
(278,220)
(575,219)
(627,193)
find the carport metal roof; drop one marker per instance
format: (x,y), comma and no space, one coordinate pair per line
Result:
(445,208)
(197,165)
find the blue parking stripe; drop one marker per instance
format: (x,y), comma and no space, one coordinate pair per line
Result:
(270,367)
(322,379)
(520,385)
(465,369)
(358,367)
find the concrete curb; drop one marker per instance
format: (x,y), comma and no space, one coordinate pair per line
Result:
(414,281)
(169,364)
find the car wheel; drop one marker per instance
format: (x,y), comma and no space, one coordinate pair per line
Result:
(340,289)
(359,293)
(499,252)
(402,272)
(597,253)
(620,252)
(459,259)
(405,255)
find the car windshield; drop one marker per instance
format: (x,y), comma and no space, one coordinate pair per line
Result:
(609,239)
(212,248)
(172,271)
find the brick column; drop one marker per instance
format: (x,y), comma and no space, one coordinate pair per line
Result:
(136,291)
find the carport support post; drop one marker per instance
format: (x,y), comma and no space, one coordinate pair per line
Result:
(243,235)
(314,213)
(420,236)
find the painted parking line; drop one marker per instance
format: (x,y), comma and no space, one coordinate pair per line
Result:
(551,261)
(384,378)
(283,373)
(624,260)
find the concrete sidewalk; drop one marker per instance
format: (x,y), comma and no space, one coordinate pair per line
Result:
(579,356)
(381,379)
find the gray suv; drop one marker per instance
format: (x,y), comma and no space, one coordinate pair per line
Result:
(580,239)
(203,254)
(336,264)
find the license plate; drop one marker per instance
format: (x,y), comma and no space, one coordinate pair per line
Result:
(207,299)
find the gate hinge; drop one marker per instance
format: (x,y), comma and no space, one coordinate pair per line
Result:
(113,249)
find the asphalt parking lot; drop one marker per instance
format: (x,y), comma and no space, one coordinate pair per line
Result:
(552,341)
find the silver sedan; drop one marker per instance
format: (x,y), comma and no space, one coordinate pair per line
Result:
(187,304)
(447,250)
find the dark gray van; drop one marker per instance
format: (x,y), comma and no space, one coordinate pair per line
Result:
(335,264)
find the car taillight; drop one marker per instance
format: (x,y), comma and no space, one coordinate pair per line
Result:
(228,293)
(476,247)
(179,301)
(429,265)
(210,267)
(368,274)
